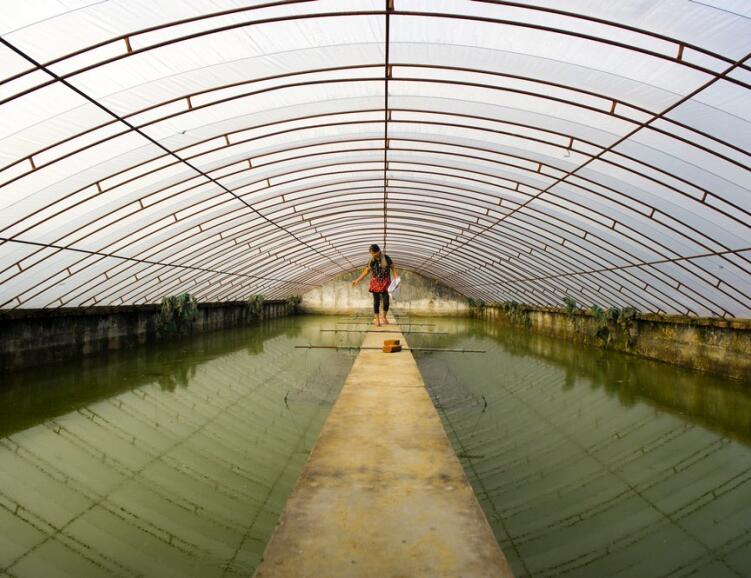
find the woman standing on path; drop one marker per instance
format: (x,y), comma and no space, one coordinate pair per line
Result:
(380,268)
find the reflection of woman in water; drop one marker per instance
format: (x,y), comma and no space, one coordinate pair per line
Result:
(380,268)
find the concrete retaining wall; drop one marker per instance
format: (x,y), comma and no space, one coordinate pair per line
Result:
(717,346)
(41,336)
(419,296)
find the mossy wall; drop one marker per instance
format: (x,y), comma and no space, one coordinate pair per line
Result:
(718,346)
(42,336)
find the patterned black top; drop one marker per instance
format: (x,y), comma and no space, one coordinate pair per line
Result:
(380,277)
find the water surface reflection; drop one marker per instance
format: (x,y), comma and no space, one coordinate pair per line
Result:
(591,463)
(171,460)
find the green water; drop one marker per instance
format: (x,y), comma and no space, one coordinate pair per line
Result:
(595,464)
(169,460)
(177,459)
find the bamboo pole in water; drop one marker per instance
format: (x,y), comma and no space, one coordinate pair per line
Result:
(382,331)
(404,349)
(367,323)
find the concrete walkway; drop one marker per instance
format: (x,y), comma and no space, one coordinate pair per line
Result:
(383,494)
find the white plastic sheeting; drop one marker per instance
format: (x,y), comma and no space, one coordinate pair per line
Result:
(515,150)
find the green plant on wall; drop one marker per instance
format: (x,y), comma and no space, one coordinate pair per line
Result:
(570,306)
(178,313)
(293,303)
(628,316)
(627,324)
(616,325)
(517,313)
(476,306)
(254,306)
(613,314)
(600,317)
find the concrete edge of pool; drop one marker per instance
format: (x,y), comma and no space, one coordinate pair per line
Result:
(382,493)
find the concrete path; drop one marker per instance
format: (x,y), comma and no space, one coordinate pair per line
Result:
(383,494)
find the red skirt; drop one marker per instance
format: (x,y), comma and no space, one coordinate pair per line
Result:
(379,285)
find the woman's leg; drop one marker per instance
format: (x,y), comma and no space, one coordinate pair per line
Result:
(385,297)
(376,307)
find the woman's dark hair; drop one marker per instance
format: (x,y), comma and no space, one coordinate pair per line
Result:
(374,248)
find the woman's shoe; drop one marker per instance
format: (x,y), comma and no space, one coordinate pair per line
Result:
(377,321)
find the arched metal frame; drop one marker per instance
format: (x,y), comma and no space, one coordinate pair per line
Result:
(568,197)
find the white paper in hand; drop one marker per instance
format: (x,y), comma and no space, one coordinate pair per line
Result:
(395,287)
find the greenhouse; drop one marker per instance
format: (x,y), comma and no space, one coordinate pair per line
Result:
(366,288)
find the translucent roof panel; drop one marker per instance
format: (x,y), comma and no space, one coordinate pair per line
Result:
(516,150)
